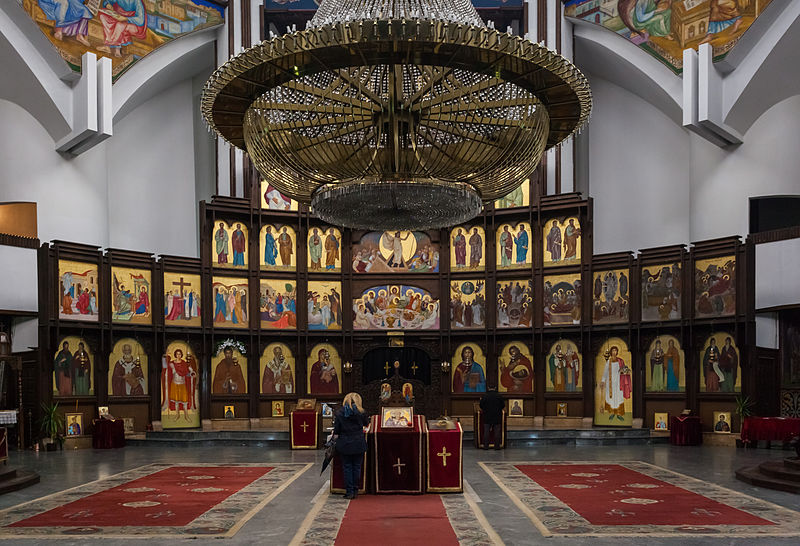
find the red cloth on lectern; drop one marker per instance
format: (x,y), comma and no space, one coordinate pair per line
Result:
(445,473)
(770,429)
(108,434)
(398,459)
(685,431)
(477,424)
(304,437)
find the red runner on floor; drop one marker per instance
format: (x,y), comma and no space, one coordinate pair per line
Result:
(171,497)
(611,494)
(396,520)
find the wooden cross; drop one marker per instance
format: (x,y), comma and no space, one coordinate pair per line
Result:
(414,368)
(182,284)
(304,426)
(444,455)
(398,465)
(386,368)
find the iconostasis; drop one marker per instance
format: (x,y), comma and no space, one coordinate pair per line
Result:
(281,306)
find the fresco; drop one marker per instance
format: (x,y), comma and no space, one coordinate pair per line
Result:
(229,245)
(562,299)
(468,369)
(395,252)
(665,365)
(661,292)
(514,246)
(514,303)
(230,301)
(130,296)
(277,370)
(515,369)
(467,248)
(395,307)
(324,299)
(229,369)
(664,28)
(613,384)
(278,304)
(715,287)
(122,30)
(610,296)
(182,299)
(563,367)
(127,369)
(720,364)
(467,304)
(78,295)
(180,387)
(518,197)
(272,199)
(277,244)
(73,368)
(561,238)
(324,250)
(324,370)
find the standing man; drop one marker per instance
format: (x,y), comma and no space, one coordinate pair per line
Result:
(315,250)
(492,405)
(123,20)
(238,241)
(221,241)
(506,247)
(475,249)
(285,244)
(460,248)
(554,242)
(270,248)
(331,250)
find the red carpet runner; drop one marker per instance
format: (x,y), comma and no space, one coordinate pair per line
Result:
(611,494)
(396,520)
(172,497)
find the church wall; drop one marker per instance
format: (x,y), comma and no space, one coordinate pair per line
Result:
(638,172)
(151,176)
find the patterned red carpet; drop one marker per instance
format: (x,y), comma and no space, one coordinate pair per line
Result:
(634,498)
(396,520)
(154,500)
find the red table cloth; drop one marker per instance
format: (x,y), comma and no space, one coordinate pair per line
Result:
(445,462)
(777,429)
(477,424)
(685,431)
(304,429)
(398,462)
(108,434)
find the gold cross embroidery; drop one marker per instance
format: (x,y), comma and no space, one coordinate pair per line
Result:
(398,465)
(304,426)
(444,455)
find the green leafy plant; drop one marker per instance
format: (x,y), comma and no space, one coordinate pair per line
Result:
(52,422)
(744,406)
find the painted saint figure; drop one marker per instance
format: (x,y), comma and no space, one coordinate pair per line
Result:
(323,377)
(468,375)
(286,250)
(70,18)
(460,248)
(475,249)
(712,373)
(123,20)
(277,375)
(558,369)
(221,241)
(127,379)
(554,242)
(395,243)
(506,247)
(521,242)
(181,378)
(81,372)
(270,248)
(315,250)
(657,370)
(616,385)
(722,14)
(517,375)
(331,250)
(728,364)
(238,242)
(62,365)
(573,371)
(228,377)
(571,235)
(672,359)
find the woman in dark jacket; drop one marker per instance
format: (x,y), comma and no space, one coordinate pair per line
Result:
(351,443)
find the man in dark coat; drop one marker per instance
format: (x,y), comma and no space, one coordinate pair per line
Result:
(492,405)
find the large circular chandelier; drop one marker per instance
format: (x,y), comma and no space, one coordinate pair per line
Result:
(396,114)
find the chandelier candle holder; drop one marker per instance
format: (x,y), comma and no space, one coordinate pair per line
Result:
(401,114)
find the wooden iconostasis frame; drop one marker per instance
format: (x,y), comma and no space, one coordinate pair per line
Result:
(352,344)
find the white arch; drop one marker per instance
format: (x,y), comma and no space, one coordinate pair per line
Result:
(604,53)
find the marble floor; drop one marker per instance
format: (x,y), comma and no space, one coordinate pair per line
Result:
(278,522)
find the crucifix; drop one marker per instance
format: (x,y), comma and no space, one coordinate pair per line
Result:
(386,368)
(414,368)
(398,465)
(444,455)
(181,284)
(304,426)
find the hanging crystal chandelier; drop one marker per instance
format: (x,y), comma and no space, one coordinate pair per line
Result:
(396,114)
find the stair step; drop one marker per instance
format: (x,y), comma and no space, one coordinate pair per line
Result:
(21,480)
(777,469)
(7,473)
(792,462)
(753,476)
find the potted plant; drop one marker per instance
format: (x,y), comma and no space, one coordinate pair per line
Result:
(744,408)
(52,425)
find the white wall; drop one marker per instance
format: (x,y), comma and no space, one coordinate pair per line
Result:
(777,280)
(638,172)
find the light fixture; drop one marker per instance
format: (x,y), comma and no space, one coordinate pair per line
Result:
(396,114)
